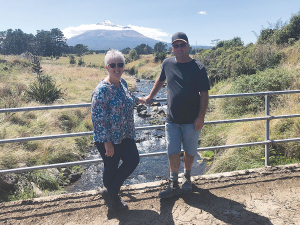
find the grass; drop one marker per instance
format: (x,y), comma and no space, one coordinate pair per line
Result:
(93,60)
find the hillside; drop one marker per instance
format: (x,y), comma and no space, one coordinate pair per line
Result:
(106,39)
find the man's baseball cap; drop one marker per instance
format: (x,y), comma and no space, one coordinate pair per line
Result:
(180,36)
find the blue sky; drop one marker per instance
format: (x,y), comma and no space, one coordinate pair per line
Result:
(201,20)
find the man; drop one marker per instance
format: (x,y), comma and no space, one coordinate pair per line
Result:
(186,78)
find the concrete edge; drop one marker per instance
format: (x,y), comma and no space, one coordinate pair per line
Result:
(144,187)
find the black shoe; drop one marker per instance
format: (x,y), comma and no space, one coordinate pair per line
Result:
(186,185)
(118,204)
(170,191)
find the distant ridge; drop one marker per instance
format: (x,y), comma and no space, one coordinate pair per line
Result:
(110,35)
(113,36)
(116,39)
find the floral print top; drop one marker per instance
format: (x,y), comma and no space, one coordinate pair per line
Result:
(112,112)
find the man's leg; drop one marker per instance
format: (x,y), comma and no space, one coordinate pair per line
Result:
(173,137)
(174,162)
(188,161)
(190,145)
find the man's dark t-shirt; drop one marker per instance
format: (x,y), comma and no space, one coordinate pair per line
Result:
(185,81)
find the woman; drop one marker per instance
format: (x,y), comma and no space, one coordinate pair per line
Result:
(114,132)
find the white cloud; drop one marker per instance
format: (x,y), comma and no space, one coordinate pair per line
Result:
(154,33)
(202,12)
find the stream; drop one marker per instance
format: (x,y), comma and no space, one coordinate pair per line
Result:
(150,169)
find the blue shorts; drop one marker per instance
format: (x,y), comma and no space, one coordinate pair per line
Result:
(181,133)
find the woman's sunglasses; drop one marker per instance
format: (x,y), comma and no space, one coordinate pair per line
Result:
(182,45)
(113,65)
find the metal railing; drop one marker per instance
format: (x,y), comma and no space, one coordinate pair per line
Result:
(267,119)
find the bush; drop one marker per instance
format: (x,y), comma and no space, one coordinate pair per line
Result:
(159,56)
(132,56)
(44,90)
(72,59)
(269,80)
(81,62)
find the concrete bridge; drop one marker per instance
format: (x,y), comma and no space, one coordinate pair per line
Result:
(269,195)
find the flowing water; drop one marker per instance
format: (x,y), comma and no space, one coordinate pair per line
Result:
(150,168)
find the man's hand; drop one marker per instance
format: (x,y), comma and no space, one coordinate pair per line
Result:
(147,99)
(198,123)
(110,150)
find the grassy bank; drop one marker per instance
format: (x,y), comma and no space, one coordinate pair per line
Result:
(282,74)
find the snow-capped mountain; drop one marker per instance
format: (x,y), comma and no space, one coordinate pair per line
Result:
(107,35)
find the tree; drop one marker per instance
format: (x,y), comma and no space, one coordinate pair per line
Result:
(291,30)
(160,47)
(125,50)
(234,42)
(133,55)
(80,49)
(58,42)
(143,49)
(50,43)
(15,42)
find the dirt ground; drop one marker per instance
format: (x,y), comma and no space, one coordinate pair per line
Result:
(259,196)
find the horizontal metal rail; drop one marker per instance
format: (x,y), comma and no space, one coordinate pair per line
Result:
(8,110)
(36,108)
(266,118)
(36,138)
(94,161)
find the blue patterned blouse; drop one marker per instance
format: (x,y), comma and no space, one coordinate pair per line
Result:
(112,112)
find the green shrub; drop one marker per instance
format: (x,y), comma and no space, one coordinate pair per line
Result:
(159,56)
(132,56)
(72,59)
(208,154)
(81,62)
(268,80)
(44,90)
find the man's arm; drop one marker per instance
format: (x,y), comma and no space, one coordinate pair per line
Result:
(156,87)
(199,121)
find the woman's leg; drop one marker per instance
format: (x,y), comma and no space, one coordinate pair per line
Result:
(110,166)
(130,159)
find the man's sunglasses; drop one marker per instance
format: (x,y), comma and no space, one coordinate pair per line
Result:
(113,65)
(182,45)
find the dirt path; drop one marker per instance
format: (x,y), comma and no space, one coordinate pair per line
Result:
(259,196)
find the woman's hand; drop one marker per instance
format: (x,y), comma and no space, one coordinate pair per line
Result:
(141,100)
(110,150)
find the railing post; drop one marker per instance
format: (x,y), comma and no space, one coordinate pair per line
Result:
(267,130)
